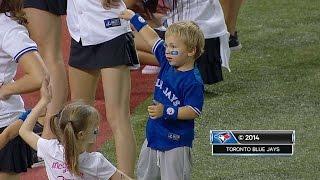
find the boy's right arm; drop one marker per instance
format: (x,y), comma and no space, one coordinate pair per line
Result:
(146,32)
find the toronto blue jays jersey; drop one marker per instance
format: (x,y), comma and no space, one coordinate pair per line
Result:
(174,88)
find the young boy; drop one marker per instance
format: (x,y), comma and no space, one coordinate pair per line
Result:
(178,100)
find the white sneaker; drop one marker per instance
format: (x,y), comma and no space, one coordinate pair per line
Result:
(150,70)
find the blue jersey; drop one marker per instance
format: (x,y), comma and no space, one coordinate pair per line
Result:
(174,88)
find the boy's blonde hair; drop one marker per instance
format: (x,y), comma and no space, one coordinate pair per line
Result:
(191,35)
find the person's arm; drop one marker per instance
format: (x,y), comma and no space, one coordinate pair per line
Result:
(12,130)
(26,130)
(183,113)
(10,133)
(3,139)
(105,170)
(108,4)
(34,70)
(119,175)
(146,32)
(193,102)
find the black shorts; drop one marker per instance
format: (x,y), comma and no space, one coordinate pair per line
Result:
(115,52)
(16,156)
(57,7)
(209,63)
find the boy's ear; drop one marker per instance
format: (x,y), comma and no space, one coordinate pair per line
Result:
(192,52)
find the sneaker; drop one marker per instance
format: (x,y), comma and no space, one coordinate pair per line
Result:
(150,70)
(234,42)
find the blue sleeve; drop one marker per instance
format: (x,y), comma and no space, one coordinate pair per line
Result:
(194,97)
(159,51)
(23,116)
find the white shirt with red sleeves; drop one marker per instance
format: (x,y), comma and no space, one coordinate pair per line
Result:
(93,166)
(14,43)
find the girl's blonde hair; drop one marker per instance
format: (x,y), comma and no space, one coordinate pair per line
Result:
(191,35)
(66,125)
(14,7)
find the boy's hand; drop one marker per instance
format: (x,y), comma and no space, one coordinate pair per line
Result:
(108,4)
(45,90)
(155,111)
(126,14)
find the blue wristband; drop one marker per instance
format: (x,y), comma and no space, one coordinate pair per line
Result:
(170,112)
(23,116)
(138,22)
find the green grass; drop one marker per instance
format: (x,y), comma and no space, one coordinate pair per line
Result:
(274,84)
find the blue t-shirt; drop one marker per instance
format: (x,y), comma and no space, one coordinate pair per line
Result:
(174,88)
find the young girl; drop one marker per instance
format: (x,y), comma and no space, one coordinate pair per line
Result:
(15,48)
(102,46)
(75,127)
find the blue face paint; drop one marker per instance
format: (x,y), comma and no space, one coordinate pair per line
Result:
(174,53)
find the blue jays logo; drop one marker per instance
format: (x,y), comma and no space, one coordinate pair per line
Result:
(223,137)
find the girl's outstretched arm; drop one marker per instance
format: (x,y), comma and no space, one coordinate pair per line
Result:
(26,130)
